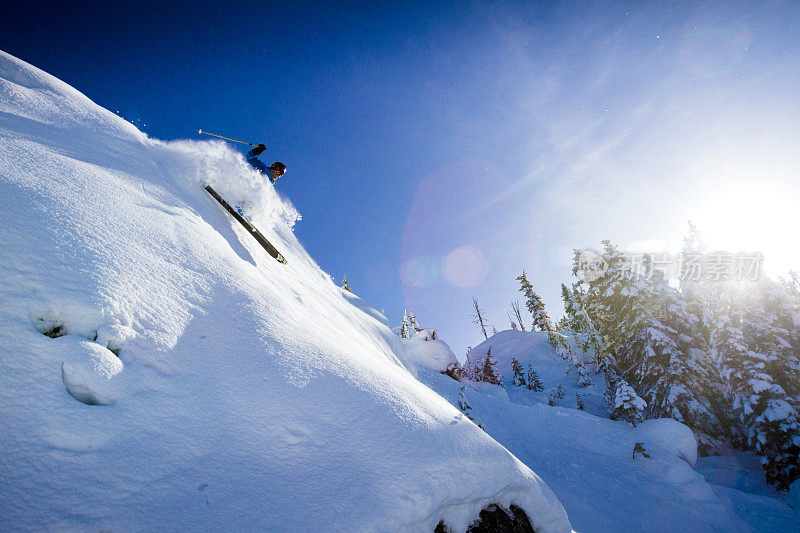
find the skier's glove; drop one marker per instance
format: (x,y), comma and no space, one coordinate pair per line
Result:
(258,149)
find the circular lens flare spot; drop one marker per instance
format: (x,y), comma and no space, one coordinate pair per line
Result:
(465,267)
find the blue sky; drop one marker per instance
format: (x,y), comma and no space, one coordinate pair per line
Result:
(436,149)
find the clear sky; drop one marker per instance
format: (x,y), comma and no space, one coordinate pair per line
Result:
(435,149)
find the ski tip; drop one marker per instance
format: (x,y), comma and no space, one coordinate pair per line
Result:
(281,259)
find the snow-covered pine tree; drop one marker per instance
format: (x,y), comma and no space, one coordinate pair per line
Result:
(755,352)
(518,380)
(642,321)
(541,320)
(532,380)
(777,308)
(535,305)
(582,329)
(413,324)
(661,351)
(583,376)
(722,359)
(405,330)
(622,402)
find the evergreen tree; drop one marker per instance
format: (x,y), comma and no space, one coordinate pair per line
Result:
(724,358)
(541,320)
(345,286)
(535,305)
(469,366)
(753,349)
(704,370)
(488,373)
(622,402)
(582,329)
(464,407)
(405,330)
(555,395)
(413,324)
(552,398)
(579,402)
(583,376)
(533,382)
(642,321)
(519,379)
(562,324)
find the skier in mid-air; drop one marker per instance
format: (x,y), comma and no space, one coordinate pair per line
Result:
(274,172)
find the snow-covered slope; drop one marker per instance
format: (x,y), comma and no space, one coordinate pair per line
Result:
(238,393)
(588,460)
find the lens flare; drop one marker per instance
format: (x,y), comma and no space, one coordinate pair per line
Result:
(465,267)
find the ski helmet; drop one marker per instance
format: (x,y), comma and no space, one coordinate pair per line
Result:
(279,168)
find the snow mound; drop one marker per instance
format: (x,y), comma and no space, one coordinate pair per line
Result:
(424,350)
(237,393)
(533,350)
(90,372)
(671,435)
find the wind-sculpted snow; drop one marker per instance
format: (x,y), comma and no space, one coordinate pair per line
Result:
(246,395)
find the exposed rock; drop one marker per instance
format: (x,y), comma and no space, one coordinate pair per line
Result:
(495,519)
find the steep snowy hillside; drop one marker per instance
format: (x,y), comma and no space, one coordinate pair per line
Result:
(160,371)
(588,460)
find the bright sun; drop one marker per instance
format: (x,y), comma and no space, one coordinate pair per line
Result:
(748,216)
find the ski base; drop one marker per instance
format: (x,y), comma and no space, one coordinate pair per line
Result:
(271,250)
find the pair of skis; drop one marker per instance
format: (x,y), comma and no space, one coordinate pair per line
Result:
(271,250)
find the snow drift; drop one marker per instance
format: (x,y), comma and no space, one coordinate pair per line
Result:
(160,371)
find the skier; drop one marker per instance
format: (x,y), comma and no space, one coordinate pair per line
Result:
(274,172)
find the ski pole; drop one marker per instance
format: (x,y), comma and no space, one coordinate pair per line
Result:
(223,137)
